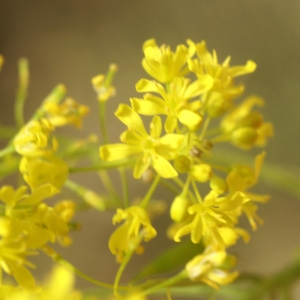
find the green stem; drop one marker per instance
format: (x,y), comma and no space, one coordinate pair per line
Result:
(103,165)
(102,119)
(89,196)
(125,262)
(165,284)
(196,191)
(55,96)
(102,104)
(7,150)
(59,259)
(124,187)
(22,91)
(150,192)
(204,128)
(110,188)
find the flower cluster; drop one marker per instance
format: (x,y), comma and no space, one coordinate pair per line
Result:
(27,223)
(191,104)
(192,100)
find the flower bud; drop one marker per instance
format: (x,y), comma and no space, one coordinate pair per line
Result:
(178,210)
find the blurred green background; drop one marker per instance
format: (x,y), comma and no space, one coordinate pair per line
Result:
(69,42)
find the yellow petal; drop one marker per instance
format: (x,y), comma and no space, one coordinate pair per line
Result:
(114,152)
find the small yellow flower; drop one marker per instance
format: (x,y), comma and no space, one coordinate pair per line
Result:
(175,102)
(209,268)
(245,128)
(68,112)
(162,63)
(206,218)
(102,84)
(124,238)
(149,150)
(58,286)
(35,139)
(37,171)
(242,178)
(221,73)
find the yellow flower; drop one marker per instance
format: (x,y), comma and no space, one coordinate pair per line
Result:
(149,150)
(102,84)
(206,218)
(35,139)
(68,112)
(209,268)
(221,73)
(58,286)
(13,253)
(125,237)
(245,128)
(162,63)
(174,102)
(37,171)
(242,178)
(26,224)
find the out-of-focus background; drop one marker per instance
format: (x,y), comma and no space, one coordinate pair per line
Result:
(69,42)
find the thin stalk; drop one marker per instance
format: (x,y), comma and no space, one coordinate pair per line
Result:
(165,284)
(102,120)
(102,104)
(124,264)
(22,91)
(7,150)
(150,192)
(59,259)
(196,191)
(124,187)
(103,165)
(204,128)
(55,96)
(110,187)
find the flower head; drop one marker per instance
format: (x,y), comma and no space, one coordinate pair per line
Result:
(209,268)
(207,218)
(245,127)
(37,171)
(127,236)
(35,139)
(68,112)
(149,149)
(162,63)
(175,102)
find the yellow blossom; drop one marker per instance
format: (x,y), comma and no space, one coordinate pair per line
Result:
(102,84)
(162,63)
(209,268)
(37,171)
(35,139)
(175,102)
(245,128)
(206,218)
(242,178)
(124,238)
(58,286)
(221,73)
(67,112)
(148,150)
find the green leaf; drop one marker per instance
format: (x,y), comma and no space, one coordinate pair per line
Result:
(170,260)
